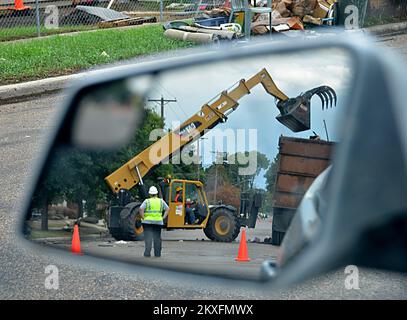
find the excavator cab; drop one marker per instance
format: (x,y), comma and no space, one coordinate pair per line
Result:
(183,196)
(219,222)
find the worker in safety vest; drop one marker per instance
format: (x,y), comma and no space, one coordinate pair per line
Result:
(189,212)
(152,219)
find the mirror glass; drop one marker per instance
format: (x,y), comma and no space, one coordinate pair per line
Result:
(230,146)
(108,114)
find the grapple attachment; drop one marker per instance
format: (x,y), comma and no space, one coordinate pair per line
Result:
(295,112)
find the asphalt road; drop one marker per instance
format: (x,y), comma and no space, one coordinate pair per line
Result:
(397,42)
(22,268)
(190,249)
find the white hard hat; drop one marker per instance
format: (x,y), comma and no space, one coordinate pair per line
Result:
(153,190)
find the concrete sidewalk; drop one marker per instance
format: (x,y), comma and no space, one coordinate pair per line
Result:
(22,91)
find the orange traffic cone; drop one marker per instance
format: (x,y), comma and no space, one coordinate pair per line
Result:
(19,5)
(243,254)
(76,241)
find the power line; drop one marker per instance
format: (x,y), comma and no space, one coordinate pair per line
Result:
(179,106)
(177,116)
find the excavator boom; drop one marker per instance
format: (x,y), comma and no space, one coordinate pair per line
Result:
(210,115)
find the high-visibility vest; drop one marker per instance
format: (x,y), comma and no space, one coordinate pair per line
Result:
(154,209)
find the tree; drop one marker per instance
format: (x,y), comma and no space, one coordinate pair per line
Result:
(107,162)
(226,194)
(271,174)
(271,177)
(75,175)
(232,170)
(226,181)
(216,177)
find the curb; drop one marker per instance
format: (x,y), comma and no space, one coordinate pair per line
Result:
(398,27)
(18,92)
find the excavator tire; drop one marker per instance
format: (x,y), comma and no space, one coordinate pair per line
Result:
(223,225)
(208,233)
(130,230)
(277,237)
(116,235)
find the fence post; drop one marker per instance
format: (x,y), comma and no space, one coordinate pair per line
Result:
(161,10)
(37,18)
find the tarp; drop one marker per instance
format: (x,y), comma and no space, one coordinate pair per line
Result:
(91,15)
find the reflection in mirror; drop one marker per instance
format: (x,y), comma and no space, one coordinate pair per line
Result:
(231,147)
(108,115)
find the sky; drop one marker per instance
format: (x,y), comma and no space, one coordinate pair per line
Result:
(293,74)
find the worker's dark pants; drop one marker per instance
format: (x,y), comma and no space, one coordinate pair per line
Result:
(152,232)
(190,215)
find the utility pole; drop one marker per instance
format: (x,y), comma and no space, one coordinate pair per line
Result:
(326,131)
(199,156)
(162,102)
(216,183)
(218,154)
(199,159)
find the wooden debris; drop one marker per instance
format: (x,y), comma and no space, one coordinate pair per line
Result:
(311,19)
(126,22)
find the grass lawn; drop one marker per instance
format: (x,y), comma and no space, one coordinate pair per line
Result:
(38,234)
(9,34)
(58,55)
(56,229)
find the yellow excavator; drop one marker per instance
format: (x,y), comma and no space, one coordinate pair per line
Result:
(220,222)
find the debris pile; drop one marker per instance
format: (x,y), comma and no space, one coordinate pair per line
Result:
(182,6)
(255,240)
(210,25)
(268,240)
(293,14)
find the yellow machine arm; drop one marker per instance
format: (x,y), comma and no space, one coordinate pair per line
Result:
(211,114)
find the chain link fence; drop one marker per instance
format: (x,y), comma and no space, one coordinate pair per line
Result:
(28,18)
(385,11)
(54,16)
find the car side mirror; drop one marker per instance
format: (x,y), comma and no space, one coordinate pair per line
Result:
(112,141)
